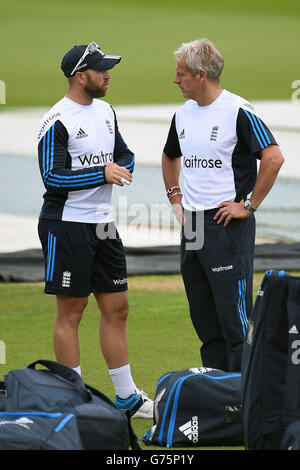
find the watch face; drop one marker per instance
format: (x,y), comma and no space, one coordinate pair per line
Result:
(248,206)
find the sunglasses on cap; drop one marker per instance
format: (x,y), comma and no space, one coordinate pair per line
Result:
(91,49)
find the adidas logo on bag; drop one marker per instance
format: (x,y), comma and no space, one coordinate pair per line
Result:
(293,330)
(81,134)
(190,429)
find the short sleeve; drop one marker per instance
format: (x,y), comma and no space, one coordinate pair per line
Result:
(253,131)
(172,147)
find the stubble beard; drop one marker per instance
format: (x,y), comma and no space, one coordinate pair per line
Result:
(93,90)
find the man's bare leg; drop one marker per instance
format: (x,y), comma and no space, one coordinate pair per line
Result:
(113,338)
(65,337)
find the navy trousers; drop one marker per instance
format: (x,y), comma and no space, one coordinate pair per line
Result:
(218,279)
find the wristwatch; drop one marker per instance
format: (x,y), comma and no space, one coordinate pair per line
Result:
(170,190)
(247,205)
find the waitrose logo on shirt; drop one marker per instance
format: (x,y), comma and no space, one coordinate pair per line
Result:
(100,159)
(195,162)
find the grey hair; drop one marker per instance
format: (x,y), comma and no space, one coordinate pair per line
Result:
(201,54)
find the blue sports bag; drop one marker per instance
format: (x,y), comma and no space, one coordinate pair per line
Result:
(196,407)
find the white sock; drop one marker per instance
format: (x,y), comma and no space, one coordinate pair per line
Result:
(77,369)
(122,380)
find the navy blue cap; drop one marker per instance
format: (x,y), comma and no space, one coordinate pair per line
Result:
(96,60)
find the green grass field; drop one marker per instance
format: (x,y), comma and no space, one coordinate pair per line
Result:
(160,334)
(259,41)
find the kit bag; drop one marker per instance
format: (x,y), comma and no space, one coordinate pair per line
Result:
(271,363)
(196,407)
(39,431)
(291,438)
(59,389)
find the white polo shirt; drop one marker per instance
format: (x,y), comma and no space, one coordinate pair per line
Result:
(219,145)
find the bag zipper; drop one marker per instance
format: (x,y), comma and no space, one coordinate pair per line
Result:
(165,412)
(20,414)
(63,422)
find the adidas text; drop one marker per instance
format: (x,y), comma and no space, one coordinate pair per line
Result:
(190,429)
(296,354)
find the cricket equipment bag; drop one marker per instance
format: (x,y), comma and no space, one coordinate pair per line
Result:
(198,406)
(59,389)
(271,362)
(39,431)
(291,438)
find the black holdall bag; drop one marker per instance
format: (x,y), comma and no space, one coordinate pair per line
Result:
(39,431)
(197,406)
(271,362)
(58,388)
(291,437)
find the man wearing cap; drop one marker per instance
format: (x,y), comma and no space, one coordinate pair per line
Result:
(219,137)
(81,155)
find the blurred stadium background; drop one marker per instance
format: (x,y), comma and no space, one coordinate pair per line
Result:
(260,44)
(259,41)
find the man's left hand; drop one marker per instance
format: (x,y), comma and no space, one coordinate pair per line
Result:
(231,210)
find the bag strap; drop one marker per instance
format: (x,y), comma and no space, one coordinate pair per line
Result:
(133,439)
(99,394)
(66,373)
(132,436)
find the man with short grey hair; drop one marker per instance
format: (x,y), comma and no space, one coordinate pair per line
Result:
(201,54)
(219,137)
